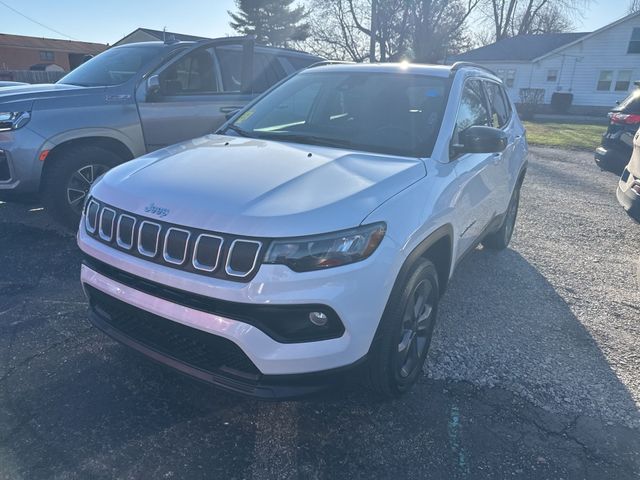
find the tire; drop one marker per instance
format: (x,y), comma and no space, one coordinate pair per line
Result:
(500,239)
(68,180)
(388,370)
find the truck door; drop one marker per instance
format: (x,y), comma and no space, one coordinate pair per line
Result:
(192,94)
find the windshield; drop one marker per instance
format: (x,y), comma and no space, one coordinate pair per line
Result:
(112,67)
(393,113)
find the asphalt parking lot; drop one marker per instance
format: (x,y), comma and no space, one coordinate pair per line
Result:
(533,373)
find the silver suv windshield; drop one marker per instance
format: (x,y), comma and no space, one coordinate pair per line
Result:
(382,112)
(112,67)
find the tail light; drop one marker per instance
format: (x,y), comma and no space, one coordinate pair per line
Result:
(624,118)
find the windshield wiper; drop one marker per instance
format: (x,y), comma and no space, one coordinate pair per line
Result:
(239,131)
(308,139)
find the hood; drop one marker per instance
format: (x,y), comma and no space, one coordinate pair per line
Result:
(258,188)
(28,93)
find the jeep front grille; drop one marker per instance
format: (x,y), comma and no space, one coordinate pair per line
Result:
(198,251)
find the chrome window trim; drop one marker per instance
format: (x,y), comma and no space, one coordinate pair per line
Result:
(197,265)
(120,243)
(141,250)
(165,255)
(233,273)
(86,219)
(100,232)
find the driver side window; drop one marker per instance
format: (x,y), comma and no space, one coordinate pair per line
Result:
(473,109)
(193,74)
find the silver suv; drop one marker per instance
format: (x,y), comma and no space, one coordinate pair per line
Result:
(57,139)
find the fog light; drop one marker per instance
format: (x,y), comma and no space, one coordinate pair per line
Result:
(318,318)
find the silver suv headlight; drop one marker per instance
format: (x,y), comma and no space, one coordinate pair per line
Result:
(13,120)
(317,252)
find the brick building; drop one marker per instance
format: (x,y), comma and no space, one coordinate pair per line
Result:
(19,52)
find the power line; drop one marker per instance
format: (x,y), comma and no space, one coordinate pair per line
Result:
(36,22)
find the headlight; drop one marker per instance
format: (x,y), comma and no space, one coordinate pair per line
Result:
(325,251)
(13,120)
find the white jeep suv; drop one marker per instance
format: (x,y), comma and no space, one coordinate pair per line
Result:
(313,234)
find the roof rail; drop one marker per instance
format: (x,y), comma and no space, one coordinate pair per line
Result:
(329,62)
(458,65)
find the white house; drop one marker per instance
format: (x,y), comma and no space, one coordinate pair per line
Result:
(598,68)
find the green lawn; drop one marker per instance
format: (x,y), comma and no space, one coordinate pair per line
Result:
(571,136)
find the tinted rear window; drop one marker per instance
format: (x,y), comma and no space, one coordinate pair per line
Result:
(631,104)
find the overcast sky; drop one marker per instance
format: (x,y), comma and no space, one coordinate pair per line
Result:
(108,21)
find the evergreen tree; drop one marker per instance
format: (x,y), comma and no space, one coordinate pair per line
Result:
(274,22)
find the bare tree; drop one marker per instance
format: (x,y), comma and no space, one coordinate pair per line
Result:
(524,17)
(389,30)
(333,33)
(439,28)
(634,6)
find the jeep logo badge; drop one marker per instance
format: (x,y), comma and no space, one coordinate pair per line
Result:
(154,210)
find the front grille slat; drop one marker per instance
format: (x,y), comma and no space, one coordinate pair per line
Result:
(175,246)
(242,257)
(125,231)
(176,242)
(149,238)
(107,219)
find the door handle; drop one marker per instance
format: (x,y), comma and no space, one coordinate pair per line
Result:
(229,109)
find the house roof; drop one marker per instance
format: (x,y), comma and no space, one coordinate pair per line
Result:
(161,35)
(51,44)
(521,48)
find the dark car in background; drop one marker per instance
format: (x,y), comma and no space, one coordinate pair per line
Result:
(617,142)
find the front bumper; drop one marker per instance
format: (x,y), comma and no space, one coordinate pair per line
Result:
(203,356)
(357,293)
(19,164)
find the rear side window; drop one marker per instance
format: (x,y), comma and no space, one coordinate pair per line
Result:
(193,74)
(230,59)
(473,108)
(631,104)
(500,112)
(267,71)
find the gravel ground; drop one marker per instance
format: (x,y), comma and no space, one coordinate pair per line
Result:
(533,372)
(555,317)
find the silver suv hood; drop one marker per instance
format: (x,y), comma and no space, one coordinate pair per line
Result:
(257,188)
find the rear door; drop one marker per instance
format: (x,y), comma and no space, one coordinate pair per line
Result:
(477,200)
(501,168)
(197,90)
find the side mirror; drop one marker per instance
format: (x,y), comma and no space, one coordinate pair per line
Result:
(229,115)
(480,139)
(153,87)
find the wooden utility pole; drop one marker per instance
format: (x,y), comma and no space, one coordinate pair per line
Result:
(374,31)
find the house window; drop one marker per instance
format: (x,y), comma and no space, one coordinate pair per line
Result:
(552,75)
(623,82)
(605,80)
(634,44)
(508,76)
(46,56)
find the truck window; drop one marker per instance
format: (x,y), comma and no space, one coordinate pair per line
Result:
(112,67)
(267,71)
(193,74)
(230,59)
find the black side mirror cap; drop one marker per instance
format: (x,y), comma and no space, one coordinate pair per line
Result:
(481,139)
